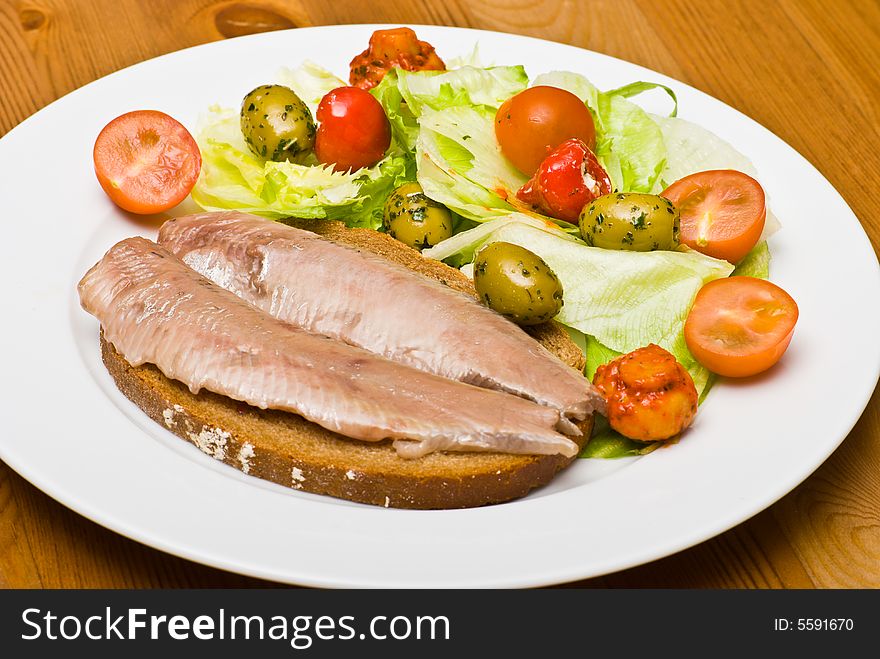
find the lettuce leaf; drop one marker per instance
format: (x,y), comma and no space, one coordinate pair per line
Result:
(310,82)
(233,178)
(691,148)
(606,443)
(597,354)
(756,263)
(406,95)
(404,125)
(632,145)
(461,165)
(468,85)
(461,247)
(639,87)
(473,58)
(411,97)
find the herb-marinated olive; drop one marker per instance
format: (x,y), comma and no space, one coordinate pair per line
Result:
(631,221)
(412,218)
(276,124)
(517,283)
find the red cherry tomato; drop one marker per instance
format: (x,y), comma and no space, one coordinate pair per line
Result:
(535,121)
(722,212)
(568,179)
(740,326)
(146,161)
(354,131)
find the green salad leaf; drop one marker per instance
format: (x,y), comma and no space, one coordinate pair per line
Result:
(636,88)
(461,165)
(606,443)
(473,58)
(461,247)
(756,263)
(632,145)
(691,148)
(310,82)
(412,98)
(597,354)
(468,85)
(404,124)
(234,178)
(406,95)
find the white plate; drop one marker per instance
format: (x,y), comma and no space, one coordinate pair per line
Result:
(68,430)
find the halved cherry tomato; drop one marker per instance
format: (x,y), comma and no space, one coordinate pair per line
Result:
(535,121)
(740,326)
(146,161)
(354,131)
(568,179)
(722,212)
(398,47)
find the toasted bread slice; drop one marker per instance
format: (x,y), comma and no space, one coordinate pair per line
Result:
(286,449)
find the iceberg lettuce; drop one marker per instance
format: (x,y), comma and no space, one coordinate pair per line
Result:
(468,85)
(310,82)
(234,178)
(756,263)
(461,247)
(461,165)
(607,443)
(406,95)
(404,125)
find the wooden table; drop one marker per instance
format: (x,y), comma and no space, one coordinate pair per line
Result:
(809,70)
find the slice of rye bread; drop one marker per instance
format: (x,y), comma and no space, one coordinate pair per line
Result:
(286,449)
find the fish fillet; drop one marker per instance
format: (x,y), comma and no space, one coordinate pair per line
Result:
(154,309)
(367,301)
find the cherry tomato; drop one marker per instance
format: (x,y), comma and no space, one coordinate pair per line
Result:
(146,161)
(722,212)
(568,179)
(398,47)
(354,131)
(535,121)
(740,326)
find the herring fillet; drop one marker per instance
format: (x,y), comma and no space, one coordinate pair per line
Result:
(154,309)
(363,299)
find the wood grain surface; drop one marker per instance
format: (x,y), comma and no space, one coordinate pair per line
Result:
(809,70)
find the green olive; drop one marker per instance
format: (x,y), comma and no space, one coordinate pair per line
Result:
(630,221)
(517,283)
(276,124)
(412,218)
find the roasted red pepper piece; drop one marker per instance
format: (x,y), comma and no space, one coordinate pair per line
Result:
(568,179)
